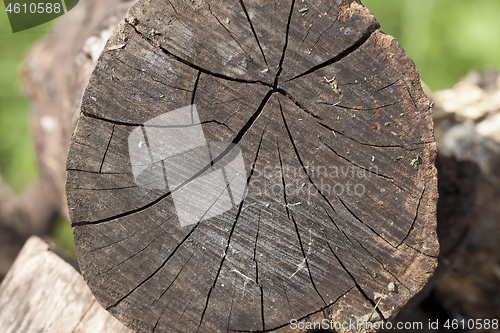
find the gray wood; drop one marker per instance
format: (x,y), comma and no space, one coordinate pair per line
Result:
(297,86)
(44,293)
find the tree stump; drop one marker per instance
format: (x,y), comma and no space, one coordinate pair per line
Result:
(245,165)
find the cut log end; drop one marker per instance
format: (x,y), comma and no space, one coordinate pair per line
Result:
(240,165)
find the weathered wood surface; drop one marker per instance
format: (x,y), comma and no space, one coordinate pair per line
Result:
(297,86)
(44,293)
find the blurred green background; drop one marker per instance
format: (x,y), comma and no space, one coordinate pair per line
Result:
(445,38)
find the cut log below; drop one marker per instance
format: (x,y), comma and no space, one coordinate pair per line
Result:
(337,207)
(44,293)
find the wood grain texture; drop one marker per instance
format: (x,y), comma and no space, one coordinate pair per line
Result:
(317,99)
(44,293)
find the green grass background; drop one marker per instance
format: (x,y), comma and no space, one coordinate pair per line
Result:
(445,38)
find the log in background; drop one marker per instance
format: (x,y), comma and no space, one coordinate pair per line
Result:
(262,76)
